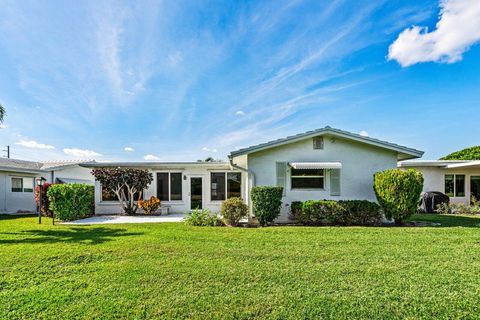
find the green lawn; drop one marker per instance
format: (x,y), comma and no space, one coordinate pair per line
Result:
(175,271)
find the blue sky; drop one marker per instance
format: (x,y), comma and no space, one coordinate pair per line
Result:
(184,80)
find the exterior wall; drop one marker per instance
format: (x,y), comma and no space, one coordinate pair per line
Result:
(181,206)
(73,172)
(434,180)
(359,163)
(13,202)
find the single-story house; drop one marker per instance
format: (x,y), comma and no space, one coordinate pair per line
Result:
(326,163)
(460,180)
(18,178)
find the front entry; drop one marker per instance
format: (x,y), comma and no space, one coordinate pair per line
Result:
(196,192)
(475,188)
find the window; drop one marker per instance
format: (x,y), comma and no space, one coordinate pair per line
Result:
(224,185)
(176,186)
(217,185)
(455,185)
(318,143)
(169,186)
(307,178)
(234,183)
(27,184)
(17,184)
(108,195)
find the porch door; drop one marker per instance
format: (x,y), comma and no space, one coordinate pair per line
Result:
(196,191)
(475,187)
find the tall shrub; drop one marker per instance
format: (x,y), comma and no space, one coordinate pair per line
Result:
(398,192)
(267,201)
(71,201)
(233,210)
(125,183)
(45,210)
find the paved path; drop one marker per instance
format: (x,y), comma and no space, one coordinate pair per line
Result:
(107,219)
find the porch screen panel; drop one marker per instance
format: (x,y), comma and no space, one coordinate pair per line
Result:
(234,183)
(335,182)
(217,185)
(162,186)
(459,185)
(281,171)
(176,186)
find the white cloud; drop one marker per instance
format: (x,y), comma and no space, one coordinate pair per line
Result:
(128,149)
(151,157)
(240,113)
(363,133)
(34,144)
(80,153)
(209,150)
(456,31)
(175,58)
(3,126)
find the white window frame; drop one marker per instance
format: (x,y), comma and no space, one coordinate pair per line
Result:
(455,184)
(307,177)
(170,186)
(226,184)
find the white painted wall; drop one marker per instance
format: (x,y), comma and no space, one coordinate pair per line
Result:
(359,163)
(13,202)
(73,172)
(182,206)
(434,180)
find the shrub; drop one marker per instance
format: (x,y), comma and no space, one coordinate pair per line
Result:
(203,218)
(149,206)
(45,202)
(322,212)
(398,192)
(295,210)
(267,201)
(71,201)
(361,212)
(458,208)
(233,210)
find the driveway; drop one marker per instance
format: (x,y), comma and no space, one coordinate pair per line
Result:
(115,219)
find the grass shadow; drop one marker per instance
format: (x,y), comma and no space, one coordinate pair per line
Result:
(77,235)
(449,221)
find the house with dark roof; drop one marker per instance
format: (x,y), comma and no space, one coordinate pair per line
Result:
(18,178)
(326,163)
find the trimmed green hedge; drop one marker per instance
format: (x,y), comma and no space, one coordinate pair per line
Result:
(267,201)
(329,212)
(398,192)
(71,201)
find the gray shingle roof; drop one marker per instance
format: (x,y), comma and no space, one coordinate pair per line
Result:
(407,153)
(34,166)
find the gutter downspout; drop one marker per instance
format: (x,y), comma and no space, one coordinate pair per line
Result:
(250,184)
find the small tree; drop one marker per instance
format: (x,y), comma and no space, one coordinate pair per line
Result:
(125,183)
(398,192)
(267,201)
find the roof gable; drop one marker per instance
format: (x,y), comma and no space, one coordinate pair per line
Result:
(404,153)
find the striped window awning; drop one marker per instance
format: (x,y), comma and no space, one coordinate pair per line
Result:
(316,165)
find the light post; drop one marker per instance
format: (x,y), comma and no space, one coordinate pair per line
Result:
(40,187)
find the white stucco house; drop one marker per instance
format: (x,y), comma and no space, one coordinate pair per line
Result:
(460,180)
(17,181)
(326,163)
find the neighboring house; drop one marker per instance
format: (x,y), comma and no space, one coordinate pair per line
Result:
(17,181)
(458,179)
(322,164)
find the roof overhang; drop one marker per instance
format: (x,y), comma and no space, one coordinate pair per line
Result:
(437,164)
(20,170)
(157,165)
(315,165)
(403,153)
(469,164)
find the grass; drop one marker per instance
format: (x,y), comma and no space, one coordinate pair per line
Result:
(141,271)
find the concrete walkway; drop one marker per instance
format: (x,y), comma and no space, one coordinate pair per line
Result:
(107,219)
